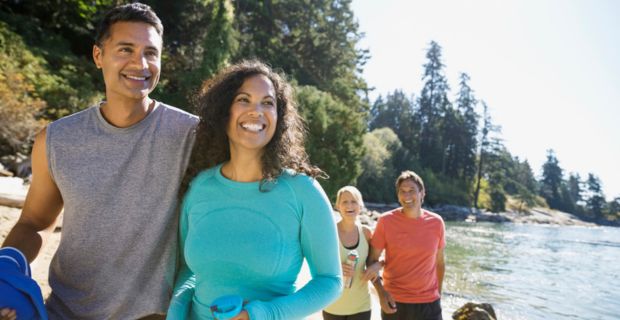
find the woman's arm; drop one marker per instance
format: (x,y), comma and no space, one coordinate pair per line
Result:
(319,243)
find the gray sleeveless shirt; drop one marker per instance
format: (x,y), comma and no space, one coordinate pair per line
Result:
(116,258)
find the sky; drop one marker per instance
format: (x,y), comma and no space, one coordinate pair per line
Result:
(549,70)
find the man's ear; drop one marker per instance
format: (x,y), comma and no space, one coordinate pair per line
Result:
(97,56)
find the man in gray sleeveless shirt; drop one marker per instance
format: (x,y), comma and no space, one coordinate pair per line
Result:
(116,169)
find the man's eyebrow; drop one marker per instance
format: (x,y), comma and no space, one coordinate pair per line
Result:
(123,43)
(131,44)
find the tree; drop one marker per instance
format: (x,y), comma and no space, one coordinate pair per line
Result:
(18,109)
(487,144)
(378,169)
(595,201)
(614,209)
(65,81)
(313,41)
(551,182)
(467,142)
(334,140)
(396,113)
(432,106)
(572,198)
(199,40)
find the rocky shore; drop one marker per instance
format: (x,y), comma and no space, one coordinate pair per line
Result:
(457,213)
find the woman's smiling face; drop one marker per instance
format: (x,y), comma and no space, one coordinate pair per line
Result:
(348,206)
(253,115)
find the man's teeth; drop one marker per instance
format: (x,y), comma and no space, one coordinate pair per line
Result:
(252,126)
(135,77)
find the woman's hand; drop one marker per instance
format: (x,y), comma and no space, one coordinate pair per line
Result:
(372,272)
(347,270)
(8,314)
(243,315)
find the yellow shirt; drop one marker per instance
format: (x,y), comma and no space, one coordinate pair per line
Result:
(357,298)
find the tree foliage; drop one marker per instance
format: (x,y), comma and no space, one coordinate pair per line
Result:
(19,102)
(313,41)
(432,107)
(551,182)
(595,202)
(378,168)
(199,39)
(334,140)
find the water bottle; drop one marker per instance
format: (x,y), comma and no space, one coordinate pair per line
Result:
(352,258)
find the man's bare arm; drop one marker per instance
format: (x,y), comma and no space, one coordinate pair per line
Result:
(441,268)
(41,208)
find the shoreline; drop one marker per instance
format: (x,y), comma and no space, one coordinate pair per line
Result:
(536,215)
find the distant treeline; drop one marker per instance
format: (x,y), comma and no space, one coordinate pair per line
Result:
(47,72)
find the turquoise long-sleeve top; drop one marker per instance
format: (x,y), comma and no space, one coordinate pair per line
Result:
(236,239)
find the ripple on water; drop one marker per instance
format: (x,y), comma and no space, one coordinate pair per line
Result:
(535,272)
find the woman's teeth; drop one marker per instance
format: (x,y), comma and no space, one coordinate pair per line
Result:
(252,127)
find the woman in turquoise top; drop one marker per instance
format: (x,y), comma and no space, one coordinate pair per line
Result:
(253,210)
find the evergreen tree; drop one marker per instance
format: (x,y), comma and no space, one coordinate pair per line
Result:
(595,201)
(432,106)
(450,133)
(396,113)
(525,176)
(551,182)
(467,144)
(487,144)
(614,209)
(572,194)
(574,188)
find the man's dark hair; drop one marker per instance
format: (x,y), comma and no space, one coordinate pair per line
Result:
(132,12)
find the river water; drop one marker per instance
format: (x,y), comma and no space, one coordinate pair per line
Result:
(534,271)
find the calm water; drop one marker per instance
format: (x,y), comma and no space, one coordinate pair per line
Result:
(534,271)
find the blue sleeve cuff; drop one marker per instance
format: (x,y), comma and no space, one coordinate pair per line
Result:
(256,310)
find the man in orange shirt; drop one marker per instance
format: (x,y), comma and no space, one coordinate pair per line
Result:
(414,241)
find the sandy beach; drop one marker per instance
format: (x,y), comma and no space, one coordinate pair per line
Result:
(40,266)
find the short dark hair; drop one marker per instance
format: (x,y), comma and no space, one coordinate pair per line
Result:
(409,175)
(131,12)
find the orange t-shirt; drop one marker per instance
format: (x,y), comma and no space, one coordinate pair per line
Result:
(411,246)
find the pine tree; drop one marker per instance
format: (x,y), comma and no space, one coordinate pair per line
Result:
(487,145)
(551,182)
(432,106)
(574,194)
(468,143)
(614,209)
(396,113)
(595,201)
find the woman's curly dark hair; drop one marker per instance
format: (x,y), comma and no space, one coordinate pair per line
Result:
(285,150)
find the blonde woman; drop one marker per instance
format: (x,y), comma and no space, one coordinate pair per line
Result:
(354,303)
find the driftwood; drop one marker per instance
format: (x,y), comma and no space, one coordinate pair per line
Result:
(11,200)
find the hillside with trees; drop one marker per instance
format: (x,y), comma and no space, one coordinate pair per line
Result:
(447,135)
